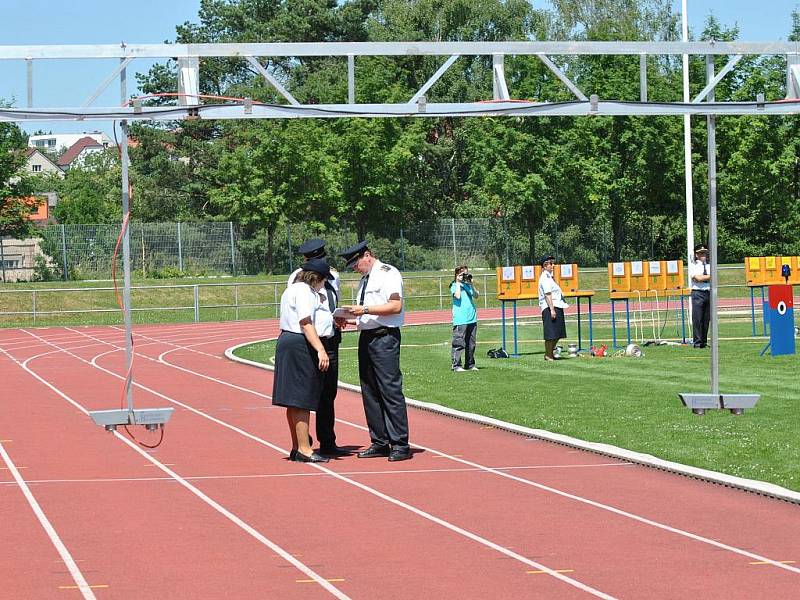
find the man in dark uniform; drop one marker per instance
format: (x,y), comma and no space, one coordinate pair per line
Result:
(379,315)
(700,272)
(329,331)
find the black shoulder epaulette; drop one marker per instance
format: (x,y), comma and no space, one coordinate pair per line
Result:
(386,268)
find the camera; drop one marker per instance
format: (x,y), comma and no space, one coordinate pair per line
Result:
(466,277)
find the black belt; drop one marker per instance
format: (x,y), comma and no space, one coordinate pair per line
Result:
(380,331)
(702,291)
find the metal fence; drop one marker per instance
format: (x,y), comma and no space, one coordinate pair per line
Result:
(159,250)
(241,300)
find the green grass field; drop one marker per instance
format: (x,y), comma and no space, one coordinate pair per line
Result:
(630,403)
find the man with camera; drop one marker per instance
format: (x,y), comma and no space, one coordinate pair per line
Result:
(465,320)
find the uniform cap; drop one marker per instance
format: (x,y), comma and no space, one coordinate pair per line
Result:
(312,248)
(353,253)
(701,249)
(318,265)
(545,258)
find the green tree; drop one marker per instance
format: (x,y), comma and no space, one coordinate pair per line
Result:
(14,185)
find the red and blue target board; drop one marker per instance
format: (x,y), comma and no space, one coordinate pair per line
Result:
(780,307)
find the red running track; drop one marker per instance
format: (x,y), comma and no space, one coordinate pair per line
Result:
(217,511)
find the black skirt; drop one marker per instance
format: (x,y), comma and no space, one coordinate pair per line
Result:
(554,330)
(298,380)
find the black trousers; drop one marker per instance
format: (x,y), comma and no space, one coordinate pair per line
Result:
(326,415)
(382,387)
(701,317)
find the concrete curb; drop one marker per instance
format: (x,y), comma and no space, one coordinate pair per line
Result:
(749,485)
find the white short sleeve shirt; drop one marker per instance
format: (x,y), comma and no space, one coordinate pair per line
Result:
(384,281)
(548,285)
(298,302)
(323,321)
(696,268)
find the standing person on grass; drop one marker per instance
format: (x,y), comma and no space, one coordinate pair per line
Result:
(465,320)
(551,301)
(700,272)
(300,357)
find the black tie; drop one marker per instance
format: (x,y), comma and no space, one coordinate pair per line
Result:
(705,272)
(331,296)
(364,281)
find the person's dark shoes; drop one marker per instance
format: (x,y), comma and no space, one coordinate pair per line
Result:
(399,454)
(374,451)
(313,458)
(292,454)
(333,451)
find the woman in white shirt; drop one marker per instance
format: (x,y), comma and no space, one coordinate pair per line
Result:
(300,357)
(551,301)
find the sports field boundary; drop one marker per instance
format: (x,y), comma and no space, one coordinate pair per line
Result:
(754,486)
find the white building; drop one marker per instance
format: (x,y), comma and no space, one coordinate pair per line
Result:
(57,142)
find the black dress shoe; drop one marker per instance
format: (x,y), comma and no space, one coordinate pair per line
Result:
(374,451)
(314,458)
(400,454)
(333,451)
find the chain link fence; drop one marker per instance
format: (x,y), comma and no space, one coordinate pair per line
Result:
(162,250)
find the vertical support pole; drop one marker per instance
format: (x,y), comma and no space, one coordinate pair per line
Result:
(687,154)
(180,249)
(643,76)
(441,297)
(402,251)
(453,229)
(275,301)
(29,65)
(236,300)
(503,322)
(196,303)
(613,326)
(126,265)
(578,305)
(64,252)
(351,79)
(753,311)
(33,301)
(516,334)
(289,246)
(712,232)
(3,261)
(591,332)
(628,318)
(233,250)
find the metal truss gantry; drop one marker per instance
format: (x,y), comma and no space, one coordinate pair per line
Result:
(189,57)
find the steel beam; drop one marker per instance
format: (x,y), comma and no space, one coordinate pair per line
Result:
(274,82)
(298,49)
(434,78)
(564,79)
(499,87)
(107,81)
(715,81)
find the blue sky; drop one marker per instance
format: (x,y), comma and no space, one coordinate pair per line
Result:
(153,21)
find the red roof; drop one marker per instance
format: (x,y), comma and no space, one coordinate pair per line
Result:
(76,148)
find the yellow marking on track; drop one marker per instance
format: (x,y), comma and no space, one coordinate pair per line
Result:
(548,572)
(315,581)
(75,587)
(782,562)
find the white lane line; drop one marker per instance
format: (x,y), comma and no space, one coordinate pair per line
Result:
(334,591)
(535,484)
(293,475)
(446,524)
(65,555)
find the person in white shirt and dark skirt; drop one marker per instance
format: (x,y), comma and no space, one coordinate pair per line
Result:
(700,272)
(551,301)
(300,357)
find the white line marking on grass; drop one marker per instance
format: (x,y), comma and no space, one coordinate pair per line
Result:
(334,591)
(65,555)
(446,524)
